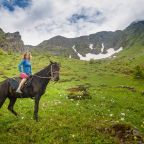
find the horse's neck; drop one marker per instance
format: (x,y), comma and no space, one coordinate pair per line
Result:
(44,72)
(43,76)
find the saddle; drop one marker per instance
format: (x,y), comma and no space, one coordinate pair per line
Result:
(14,82)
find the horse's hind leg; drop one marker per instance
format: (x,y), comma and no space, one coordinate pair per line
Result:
(2,100)
(11,105)
(3,92)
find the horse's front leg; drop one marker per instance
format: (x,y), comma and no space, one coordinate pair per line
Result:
(36,107)
(11,105)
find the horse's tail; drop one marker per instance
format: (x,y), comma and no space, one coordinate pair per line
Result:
(4,91)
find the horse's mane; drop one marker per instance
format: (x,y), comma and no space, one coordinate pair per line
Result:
(43,71)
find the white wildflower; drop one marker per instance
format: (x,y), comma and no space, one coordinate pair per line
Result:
(122,119)
(73,135)
(111,115)
(77,104)
(123,114)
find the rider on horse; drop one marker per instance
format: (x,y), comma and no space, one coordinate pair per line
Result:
(25,69)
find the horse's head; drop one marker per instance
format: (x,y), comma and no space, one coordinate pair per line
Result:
(55,68)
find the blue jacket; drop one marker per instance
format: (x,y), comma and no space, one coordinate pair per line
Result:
(25,66)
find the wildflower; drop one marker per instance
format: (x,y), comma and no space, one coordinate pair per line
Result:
(77,104)
(111,115)
(73,135)
(123,114)
(122,119)
(112,100)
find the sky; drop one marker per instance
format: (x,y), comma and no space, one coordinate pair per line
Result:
(39,20)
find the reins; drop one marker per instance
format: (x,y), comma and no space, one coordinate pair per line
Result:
(42,77)
(52,73)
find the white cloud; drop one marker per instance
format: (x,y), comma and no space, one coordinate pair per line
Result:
(48,18)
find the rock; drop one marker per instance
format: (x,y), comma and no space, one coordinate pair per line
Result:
(79,92)
(11,41)
(124,134)
(127,87)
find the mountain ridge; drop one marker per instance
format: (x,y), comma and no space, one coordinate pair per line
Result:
(92,44)
(96,44)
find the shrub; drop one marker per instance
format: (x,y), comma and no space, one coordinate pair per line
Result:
(139,72)
(92,61)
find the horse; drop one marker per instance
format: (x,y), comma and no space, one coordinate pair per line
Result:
(34,87)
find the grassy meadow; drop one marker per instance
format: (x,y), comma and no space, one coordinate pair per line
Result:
(96,102)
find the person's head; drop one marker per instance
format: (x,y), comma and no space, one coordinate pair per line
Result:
(27,55)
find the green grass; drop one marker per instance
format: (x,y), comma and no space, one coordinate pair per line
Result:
(67,121)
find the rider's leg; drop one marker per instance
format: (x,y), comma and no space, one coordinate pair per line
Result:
(20,85)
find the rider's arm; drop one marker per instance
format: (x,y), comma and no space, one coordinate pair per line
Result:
(20,66)
(30,70)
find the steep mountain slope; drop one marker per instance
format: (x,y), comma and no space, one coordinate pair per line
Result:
(134,34)
(99,45)
(11,41)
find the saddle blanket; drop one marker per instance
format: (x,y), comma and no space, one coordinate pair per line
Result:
(14,82)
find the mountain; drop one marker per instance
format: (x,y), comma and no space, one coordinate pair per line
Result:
(11,41)
(99,45)
(134,34)
(94,43)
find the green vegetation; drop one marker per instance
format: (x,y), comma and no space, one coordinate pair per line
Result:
(139,72)
(112,113)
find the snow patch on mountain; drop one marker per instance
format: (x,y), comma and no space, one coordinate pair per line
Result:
(102,49)
(91,46)
(90,56)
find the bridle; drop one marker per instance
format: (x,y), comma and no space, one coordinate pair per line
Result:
(51,72)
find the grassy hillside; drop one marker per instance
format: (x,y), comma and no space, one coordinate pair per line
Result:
(94,102)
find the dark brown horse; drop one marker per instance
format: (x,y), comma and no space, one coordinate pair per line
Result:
(35,87)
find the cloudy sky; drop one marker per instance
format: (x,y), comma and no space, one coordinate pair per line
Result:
(39,20)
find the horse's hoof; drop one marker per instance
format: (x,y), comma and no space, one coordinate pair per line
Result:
(36,119)
(17,115)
